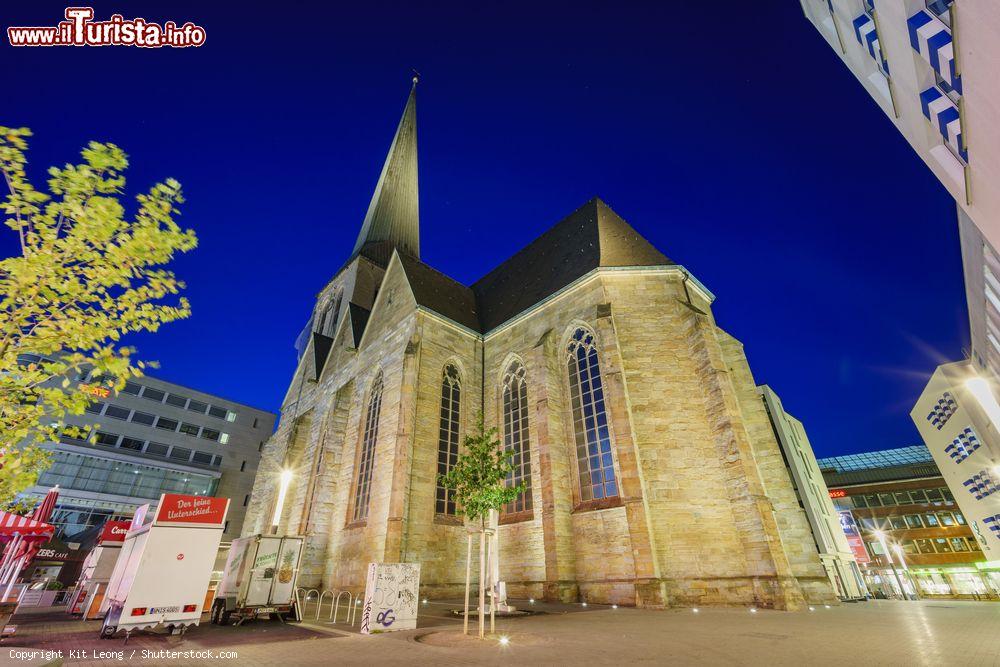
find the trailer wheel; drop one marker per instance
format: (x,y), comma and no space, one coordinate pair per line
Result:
(108,631)
(217,612)
(225,616)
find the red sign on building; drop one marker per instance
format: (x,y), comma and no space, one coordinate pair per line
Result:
(191,510)
(114,531)
(838,493)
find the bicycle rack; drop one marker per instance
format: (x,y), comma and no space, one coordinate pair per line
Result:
(336,606)
(319,605)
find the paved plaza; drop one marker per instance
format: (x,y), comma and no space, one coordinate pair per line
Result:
(872,633)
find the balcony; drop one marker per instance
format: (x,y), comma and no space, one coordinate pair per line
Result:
(944,116)
(867,36)
(931,38)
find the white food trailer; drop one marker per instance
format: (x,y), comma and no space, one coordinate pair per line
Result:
(259,578)
(88,597)
(165,565)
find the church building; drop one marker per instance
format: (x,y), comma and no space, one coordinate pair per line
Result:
(653,475)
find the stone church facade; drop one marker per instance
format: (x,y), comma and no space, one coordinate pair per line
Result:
(653,476)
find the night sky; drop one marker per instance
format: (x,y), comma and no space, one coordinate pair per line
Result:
(727,133)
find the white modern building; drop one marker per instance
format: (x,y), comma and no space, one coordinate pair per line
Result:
(834,551)
(958,418)
(931,66)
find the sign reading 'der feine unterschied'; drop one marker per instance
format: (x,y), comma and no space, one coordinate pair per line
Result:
(191,510)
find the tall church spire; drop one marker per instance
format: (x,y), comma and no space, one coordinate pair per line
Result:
(393,219)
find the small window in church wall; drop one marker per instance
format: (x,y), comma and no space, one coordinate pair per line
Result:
(451,400)
(334,316)
(590,419)
(515,434)
(366,459)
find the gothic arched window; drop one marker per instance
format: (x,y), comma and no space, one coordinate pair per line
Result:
(590,419)
(327,322)
(366,457)
(451,399)
(334,317)
(515,434)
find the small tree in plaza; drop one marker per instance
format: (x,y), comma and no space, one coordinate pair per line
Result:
(479,480)
(88,273)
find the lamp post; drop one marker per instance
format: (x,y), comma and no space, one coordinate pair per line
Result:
(885,549)
(909,575)
(283,481)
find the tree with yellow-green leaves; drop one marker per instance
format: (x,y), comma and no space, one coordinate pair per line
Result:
(89,272)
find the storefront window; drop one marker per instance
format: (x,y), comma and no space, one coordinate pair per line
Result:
(967,584)
(913,521)
(886,499)
(897,523)
(918,497)
(930,520)
(925,546)
(902,498)
(934,495)
(958,544)
(932,584)
(959,519)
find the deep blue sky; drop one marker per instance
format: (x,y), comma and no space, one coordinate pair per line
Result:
(728,133)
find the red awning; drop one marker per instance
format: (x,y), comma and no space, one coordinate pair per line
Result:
(12,524)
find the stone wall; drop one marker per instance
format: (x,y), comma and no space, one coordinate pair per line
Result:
(706,513)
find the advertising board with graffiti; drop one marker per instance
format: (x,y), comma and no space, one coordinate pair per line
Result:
(391,597)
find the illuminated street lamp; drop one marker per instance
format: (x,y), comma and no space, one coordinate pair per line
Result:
(284,480)
(880,536)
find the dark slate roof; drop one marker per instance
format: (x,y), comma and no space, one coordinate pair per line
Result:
(592,236)
(445,296)
(321,350)
(359,320)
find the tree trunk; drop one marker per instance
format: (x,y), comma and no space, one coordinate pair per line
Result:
(482,583)
(468,581)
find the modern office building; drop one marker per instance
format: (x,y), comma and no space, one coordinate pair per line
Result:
(914,536)
(957,416)
(153,437)
(930,65)
(834,550)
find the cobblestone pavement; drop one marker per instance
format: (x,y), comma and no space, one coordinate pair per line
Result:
(872,633)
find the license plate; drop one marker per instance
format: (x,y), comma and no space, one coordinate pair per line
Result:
(164,610)
(266,610)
